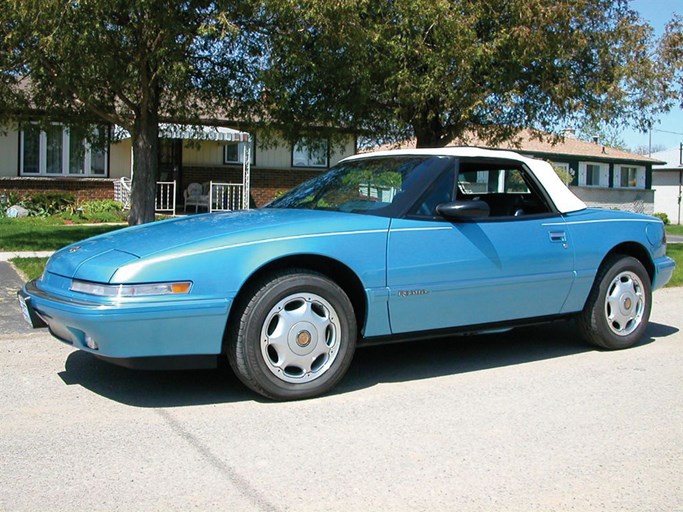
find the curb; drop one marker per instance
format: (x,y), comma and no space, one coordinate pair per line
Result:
(5,256)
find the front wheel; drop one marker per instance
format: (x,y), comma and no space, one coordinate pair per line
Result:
(618,308)
(295,337)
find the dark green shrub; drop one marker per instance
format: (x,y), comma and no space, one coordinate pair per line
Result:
(101,206)
(49,203)
(664,217)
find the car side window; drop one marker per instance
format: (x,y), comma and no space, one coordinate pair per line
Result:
(441,191)
(506,188)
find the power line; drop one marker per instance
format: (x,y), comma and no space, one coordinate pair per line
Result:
(665,131)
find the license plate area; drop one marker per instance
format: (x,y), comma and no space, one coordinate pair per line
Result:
(28,313)
(24,310)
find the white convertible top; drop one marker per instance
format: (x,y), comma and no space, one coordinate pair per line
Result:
(563,198)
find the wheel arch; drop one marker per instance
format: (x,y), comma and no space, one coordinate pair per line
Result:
(637,251)
(333,269)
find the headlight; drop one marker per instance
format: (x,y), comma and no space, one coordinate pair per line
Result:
(131,290)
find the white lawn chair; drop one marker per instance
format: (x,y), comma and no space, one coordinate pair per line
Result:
(194,195)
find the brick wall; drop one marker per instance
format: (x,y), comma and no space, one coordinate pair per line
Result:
(265,183)
(84,189)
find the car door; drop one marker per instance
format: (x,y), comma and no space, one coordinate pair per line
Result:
(507,266)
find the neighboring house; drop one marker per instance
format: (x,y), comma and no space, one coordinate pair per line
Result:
(34,159)
(601,176)
(667,182)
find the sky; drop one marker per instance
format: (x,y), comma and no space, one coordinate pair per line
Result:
(668,130)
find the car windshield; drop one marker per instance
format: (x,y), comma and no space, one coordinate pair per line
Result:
(369,185)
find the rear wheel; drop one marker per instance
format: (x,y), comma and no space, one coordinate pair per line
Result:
(295,337)
(618,308)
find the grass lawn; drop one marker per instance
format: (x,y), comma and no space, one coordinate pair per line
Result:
(675,251)
(44,234)
(32,268)
(674,230)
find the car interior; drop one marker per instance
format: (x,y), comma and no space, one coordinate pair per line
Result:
(506,188)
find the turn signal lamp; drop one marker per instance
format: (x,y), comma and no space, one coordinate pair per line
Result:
(131,290)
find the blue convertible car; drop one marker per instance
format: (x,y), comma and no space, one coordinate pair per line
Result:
(384,246)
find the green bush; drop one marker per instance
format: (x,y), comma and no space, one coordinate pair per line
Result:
(664,217)
(48,203)
(101,206)
(96,211)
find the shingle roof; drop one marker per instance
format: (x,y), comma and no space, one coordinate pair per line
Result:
(527,142)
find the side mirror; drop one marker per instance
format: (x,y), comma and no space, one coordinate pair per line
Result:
(463,210)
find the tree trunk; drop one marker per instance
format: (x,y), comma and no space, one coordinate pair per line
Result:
(429,131)
(145,166)
(427,139)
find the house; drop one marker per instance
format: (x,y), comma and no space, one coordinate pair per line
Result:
(667,182)
(599,175)
(39,159)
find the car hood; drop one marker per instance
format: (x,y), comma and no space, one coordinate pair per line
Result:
(98,258)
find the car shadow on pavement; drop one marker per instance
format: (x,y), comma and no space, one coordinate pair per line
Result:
(154,388)
(372,365)
(463,354)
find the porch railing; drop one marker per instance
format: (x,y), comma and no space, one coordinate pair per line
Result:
(122,192)
(164,201)
(223,196)
(226,196)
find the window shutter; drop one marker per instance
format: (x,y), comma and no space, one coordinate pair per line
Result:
(640,174)
(604,176)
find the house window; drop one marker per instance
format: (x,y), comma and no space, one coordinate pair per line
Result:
(54,142)
(310,152)
(59,151)
(233,152)
(627,176)
(30,155)
(593,174)
(76,152)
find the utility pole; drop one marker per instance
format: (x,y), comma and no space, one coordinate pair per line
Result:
(680,179)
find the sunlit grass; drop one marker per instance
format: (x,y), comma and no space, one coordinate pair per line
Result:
(32,268)
(675,251)
(674,230)
(44,234)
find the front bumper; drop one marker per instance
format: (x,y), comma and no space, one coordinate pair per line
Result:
(664,270)
(143,329)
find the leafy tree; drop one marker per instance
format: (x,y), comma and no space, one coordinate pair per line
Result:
(606,134)
(440,69)
(671,51)
(562,173)
(129,63)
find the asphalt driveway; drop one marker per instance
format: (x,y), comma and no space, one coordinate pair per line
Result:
(532,420)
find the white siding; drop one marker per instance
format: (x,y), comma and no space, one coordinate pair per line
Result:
(9,152)
(120,159)
(665,185)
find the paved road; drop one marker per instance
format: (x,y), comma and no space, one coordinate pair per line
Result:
(530,421)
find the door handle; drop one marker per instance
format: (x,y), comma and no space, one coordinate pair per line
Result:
(558,237)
